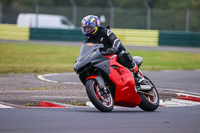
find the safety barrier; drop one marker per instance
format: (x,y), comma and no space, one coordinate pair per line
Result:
(178,38)
(13,32)
(56,34)
(127,36)
(137,37)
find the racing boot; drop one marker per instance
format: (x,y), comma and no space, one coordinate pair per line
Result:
(140,78)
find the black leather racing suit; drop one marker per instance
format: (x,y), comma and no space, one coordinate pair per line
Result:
(106,37)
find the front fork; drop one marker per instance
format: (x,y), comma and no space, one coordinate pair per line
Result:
(101,83)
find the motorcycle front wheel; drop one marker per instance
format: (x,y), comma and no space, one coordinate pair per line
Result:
(150,98)
(103,102)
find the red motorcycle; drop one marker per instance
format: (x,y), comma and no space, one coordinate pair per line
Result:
(108,83)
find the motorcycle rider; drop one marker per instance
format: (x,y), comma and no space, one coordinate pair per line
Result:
(94,33)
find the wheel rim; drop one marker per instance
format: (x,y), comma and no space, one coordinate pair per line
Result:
(105,99)
(151,96)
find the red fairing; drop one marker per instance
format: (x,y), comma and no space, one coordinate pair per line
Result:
(125,94)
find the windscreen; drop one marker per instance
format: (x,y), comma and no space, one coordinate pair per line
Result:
(86,49)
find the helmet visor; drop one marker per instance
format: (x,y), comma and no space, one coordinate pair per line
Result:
(87,29)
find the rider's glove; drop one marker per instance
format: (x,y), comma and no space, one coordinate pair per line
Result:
(109,51)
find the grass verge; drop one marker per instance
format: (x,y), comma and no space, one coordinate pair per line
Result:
(36,58)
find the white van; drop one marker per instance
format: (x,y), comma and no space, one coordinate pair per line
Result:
(44,21)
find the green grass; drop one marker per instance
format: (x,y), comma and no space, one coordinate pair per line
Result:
(160,60)
(32,58)
(36,58)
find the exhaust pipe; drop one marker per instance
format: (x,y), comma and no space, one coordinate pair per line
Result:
(145,87)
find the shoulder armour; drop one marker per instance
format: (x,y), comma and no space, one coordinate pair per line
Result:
(109,32)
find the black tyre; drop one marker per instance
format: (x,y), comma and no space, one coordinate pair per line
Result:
(103,102)
(150,99)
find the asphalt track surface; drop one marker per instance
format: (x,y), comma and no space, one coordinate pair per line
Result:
(89,120)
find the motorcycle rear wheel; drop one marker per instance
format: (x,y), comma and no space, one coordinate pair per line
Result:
(150,99)
(103,103)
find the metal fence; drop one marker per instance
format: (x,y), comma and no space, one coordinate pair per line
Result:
(131,18)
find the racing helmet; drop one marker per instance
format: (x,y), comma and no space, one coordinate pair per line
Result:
(89,25)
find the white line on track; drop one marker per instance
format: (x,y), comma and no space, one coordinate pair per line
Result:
(178,103)
(42,77)
(5,106)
